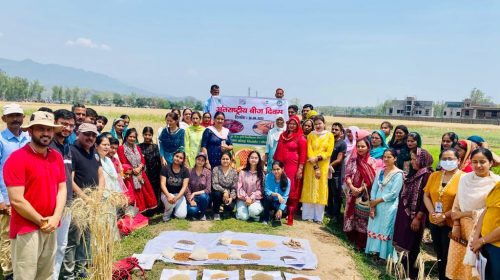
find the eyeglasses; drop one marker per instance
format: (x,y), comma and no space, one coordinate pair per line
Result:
(71,126)
(89,134)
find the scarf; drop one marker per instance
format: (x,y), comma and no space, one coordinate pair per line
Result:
(223,134)
(359,168)
(274,134)
(113,131)
(134,157)
(414,184)
(351,145)
(288,136)
(472,190)
(383,181)
(467,146)
(378,152)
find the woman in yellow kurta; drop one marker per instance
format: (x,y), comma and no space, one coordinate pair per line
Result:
(192,139)
(315,189)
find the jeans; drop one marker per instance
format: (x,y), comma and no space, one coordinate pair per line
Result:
(492,254)
(62,242)
(217,201)
(199,210)
(441,243)
(244,212)
(271,203)
(335,197)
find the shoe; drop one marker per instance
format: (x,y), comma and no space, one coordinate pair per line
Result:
(166,219)
(216,217)
(319,222)
(203,218)
(264,223)
(83,274)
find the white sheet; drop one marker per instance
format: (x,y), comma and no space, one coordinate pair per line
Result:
(210,242)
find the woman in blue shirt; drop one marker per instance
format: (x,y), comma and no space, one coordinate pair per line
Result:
(277,188)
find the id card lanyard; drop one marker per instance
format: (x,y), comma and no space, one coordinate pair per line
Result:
(439,203)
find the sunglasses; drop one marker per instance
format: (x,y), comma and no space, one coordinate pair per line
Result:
(89,134)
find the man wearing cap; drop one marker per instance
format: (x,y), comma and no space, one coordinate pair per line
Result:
(11,139)
(36,183)
(87,173)
(66,119)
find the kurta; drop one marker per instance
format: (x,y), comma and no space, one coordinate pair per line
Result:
(315,191)
(293,154)
(144,197)
(381,228)
(192,140)
(152,158)
(212,143)
(169,142)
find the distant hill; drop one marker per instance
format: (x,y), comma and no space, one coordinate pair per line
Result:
(54,74)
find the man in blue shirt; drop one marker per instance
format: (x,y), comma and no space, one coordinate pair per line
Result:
(11,139)
(213,102)
(80,115)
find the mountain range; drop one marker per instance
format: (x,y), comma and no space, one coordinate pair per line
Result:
(54,74)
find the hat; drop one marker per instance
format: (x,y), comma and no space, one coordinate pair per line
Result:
(201,154)
(12,108)
(476,139)
(88,127)
(41,118)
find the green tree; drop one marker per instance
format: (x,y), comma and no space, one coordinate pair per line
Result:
(18,89)
(477,96)
(68,93)
(57,93)
(4,84)
(75,95)
(438,108)
(35,90)
(117,99)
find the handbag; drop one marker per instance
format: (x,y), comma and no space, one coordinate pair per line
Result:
(362,204)
(123,269)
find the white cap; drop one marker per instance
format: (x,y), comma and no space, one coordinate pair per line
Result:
(12,108)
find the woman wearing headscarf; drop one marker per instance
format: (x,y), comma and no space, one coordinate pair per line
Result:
(360,174)
(379,146)
(118,129)
(464,149)
(411,215)
(470,201)
(192,139)
(272,141)
(398,139)
(413,142)
(130,153)
(350,140)
(206,120)
(292,152)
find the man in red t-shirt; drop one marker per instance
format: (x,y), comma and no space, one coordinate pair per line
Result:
(36,182)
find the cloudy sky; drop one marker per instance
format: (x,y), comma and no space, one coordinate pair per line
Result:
(322,52)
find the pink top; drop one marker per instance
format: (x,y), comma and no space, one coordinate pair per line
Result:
(249,186)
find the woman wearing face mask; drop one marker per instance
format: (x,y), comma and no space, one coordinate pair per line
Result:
(272,141)
(411,215)
(250,189)
(216,140)
(174,181)
(130,153)
(469,204)
(170,139)
(384,199)
(314,195)
(398,139)
(307,126)
(360,173)
(192,139)
(224,184)
(152,158)
(439,194)
(413,142)
(292,152)
(276,192)
(379,146)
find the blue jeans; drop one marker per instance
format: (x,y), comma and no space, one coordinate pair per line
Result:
(492,254)
(199,210)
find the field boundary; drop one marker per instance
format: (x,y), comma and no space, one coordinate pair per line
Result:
(428,119)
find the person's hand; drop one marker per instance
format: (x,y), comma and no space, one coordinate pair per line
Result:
(170,198)
(455,232)
(280,198)
(163,162)
(438,217)
(264,158)
(248,201)
(191,197)
(278,214)
(373,203)
(476,245)
(317,173)
(49,224)
(228,200)
(373,212)
(415,224)
(484,145)
(313,160)
(298,176)
(4,208)
(193,203)
(355,191)
(455,215)
(208,166)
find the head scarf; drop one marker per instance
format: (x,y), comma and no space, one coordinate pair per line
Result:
(288,136)
(404,156)
(311,114)
(113,131)
(467,146)
(204,123)
(411,194)
(351,145)
(362,133)
(476,139)
(378,152)
(275,132)
(359,168)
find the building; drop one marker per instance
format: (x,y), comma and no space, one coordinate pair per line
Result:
(410,107)
(469,110)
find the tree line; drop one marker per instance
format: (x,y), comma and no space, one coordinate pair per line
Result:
(21,89)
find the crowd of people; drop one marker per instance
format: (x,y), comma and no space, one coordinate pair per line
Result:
(386,184)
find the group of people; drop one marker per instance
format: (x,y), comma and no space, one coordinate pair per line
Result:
(388,187)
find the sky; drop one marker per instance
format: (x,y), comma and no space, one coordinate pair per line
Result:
(338,53)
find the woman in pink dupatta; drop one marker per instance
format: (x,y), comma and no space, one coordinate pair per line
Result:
(292,152)
(360,169)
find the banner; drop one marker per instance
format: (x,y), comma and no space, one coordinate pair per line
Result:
(249,119)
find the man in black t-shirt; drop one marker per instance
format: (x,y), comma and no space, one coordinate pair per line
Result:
(336,163)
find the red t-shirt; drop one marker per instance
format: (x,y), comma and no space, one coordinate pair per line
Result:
(40,177)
